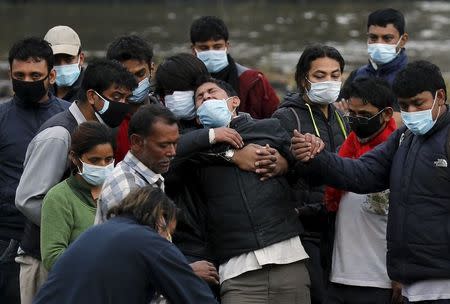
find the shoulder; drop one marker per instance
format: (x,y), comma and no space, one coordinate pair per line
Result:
(52,133)
(5,109)
(58,193)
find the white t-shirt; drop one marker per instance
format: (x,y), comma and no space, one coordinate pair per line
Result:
(429,290)
(359,251)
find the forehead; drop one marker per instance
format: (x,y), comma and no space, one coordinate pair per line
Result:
(134,65)
(389,29)
(209,86)
(161,131)
(117,88)
(29,65)
(324,64)
(210,42)
(421,96)
(357,105)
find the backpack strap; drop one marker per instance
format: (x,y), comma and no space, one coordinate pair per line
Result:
(299,125)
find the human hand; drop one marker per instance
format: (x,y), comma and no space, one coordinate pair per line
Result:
(341,105)
(267,170)
(255,157)
(229,136)
(305,146)
(206,271)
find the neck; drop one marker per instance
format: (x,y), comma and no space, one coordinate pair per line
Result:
(324,109)
(44,99)
(87,110)
(62,91)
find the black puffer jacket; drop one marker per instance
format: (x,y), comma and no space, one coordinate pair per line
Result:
(245,213)
(310,199)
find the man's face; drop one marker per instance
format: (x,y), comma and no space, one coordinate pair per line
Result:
(386,35)
(114,93)
(210,90)
(210,45)
(423,101)
(356,107)
(157,150)
(139,68)
(31,70)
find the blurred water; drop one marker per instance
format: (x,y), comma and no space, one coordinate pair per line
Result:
(265,34)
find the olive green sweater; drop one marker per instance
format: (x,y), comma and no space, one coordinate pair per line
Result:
(68,210)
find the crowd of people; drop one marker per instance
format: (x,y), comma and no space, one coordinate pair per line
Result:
(192,183)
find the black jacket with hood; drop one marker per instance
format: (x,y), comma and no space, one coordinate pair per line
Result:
(310,199)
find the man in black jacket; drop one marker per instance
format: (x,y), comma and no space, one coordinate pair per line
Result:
(413,164)
(261,255)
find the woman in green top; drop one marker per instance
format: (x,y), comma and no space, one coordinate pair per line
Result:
(69,207)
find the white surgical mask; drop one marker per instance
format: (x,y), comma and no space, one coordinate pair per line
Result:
(181,103)
(67,74)
(214,113)
(420,122)
(325,92)
(214,60)
(382,53)
(96,175)
(141,92)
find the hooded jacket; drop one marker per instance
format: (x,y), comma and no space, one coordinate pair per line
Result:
(332,131)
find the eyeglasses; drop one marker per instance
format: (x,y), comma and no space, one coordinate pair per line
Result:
(361,120)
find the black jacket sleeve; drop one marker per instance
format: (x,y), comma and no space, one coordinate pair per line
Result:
(368,174)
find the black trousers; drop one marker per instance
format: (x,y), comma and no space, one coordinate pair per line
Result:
(316,273)
(9,272)
(346,294)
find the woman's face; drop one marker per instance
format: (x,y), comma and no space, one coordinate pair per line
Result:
(100,155)
(323,69)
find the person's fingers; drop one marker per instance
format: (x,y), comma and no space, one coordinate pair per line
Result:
(264,163)
(295,140)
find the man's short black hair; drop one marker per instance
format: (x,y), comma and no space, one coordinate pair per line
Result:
(130,47)
(383,17)
(102,73)
(35,48)
(312,53)
(179,73)
(220,83)
(372,90)
(146,116)
(208,28)
(417,77)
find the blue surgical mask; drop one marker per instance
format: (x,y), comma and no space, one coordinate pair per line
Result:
(420,122)
(181,103)
(214,113)
(67,74)
(141,92)
(323,93)
(96,175)
(214,60)
(382,53)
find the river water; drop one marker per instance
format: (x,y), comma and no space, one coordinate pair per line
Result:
(268,35)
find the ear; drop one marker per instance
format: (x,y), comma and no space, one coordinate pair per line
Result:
(74,159)
(235,102)
(440,97)
(387,114)
(91,96)
(136,142)
(81,59)
(52,76)
(10,74)
(193,50)
(152,69)
(403,40)
(228,46)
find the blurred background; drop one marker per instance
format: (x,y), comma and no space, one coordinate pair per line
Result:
(267,35)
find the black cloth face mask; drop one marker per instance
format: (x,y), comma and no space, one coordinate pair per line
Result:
(29,92)
(113,112)
(365,127)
